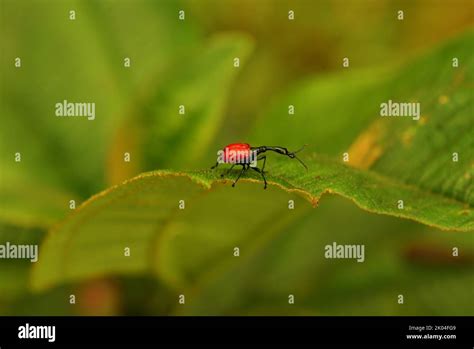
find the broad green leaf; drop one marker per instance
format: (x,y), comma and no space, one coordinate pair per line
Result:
(133,215)
(281,250)
(148,204)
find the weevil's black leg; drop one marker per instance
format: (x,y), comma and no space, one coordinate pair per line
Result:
(244,168)
(264,158)
(227,172)
(213,167)
(263,176)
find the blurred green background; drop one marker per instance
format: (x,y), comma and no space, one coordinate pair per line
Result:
(191,62)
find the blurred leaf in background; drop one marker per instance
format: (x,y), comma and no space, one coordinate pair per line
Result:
(80,60)
(175,125)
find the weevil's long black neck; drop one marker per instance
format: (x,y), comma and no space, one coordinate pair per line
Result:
(265,148)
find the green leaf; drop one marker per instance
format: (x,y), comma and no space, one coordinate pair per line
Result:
(191,250)
(133,214)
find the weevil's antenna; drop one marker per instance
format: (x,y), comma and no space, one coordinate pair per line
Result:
(297,158)
(304,146)
(302,163)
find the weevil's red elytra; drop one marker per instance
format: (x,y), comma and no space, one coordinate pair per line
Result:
(236,148)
